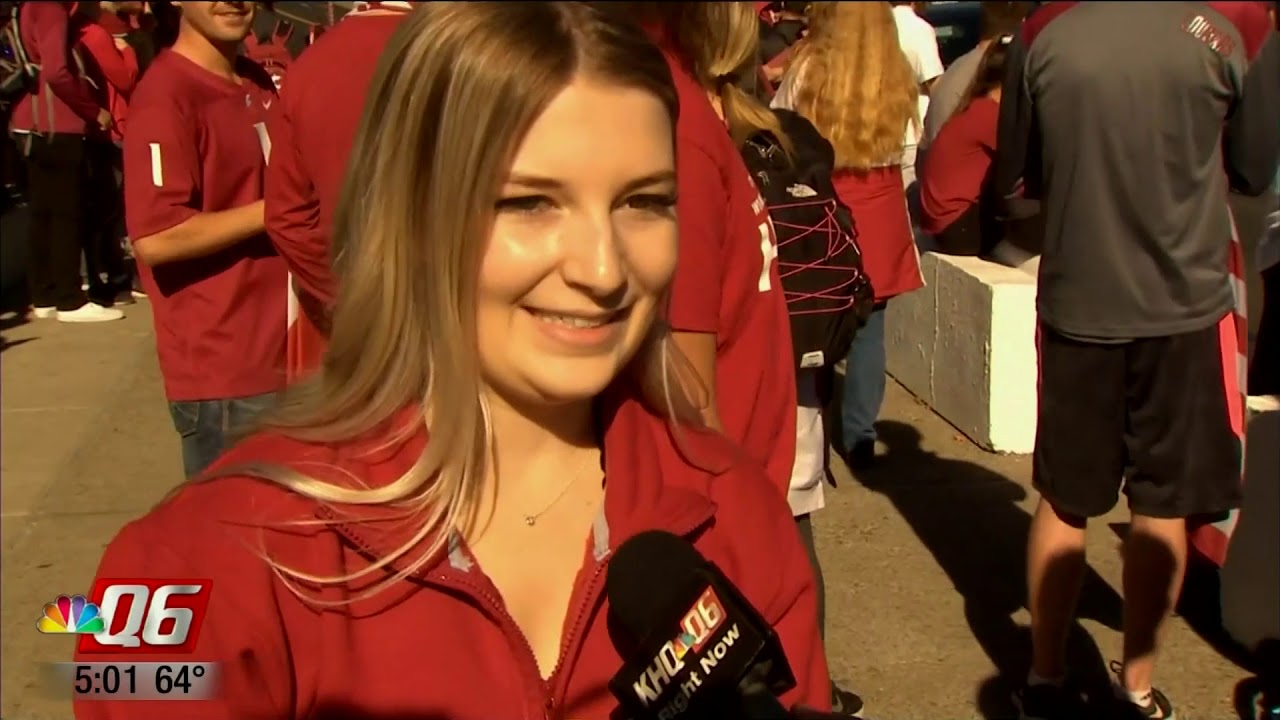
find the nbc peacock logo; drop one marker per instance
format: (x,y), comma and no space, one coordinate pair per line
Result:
(71,614)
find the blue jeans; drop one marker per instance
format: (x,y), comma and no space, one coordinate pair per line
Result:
(208,427)
(863,382)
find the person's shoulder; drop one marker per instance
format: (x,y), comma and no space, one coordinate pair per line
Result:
(697,125)
(345,37)
(163,86)
(1250,20)
(92,31)
(40,12)
(911,24)
(229,491)
(355,42)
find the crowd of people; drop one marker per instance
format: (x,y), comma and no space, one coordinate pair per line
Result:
(528,231)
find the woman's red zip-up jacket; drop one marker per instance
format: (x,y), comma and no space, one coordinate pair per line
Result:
(441,645)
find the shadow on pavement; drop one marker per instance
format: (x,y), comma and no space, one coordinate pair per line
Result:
(968,518)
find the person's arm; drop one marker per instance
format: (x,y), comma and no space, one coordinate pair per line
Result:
(1015,129)
(695,291)
(50,26)
(926,60)
(202,234)
(115,67)
(292,214)
(161,188)
(1251,138)
(240,630)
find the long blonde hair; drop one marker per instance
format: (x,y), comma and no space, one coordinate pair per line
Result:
(854,83)
(456,89)
(720,42)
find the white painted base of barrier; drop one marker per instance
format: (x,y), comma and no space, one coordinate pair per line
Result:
(965,345)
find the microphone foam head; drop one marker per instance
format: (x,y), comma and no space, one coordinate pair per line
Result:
(649,573)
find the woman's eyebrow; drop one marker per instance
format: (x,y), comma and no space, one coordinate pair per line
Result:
(542,182)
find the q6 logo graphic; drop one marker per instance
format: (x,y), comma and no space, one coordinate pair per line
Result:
(147,615)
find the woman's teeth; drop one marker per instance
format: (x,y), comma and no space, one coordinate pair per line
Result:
(570,321)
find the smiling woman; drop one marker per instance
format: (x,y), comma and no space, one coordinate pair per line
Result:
(495,413)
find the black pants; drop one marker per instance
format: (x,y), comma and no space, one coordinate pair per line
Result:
(55,178)
(975,232)
(805,525)
(1264,367)
(102,229)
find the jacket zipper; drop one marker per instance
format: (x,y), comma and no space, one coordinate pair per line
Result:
(511,628)
(589,602)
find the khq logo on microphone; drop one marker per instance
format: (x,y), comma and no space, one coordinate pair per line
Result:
(696,629)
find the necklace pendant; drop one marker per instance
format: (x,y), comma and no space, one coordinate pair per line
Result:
(530,520)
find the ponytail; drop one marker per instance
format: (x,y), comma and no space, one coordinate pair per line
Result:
(746,116)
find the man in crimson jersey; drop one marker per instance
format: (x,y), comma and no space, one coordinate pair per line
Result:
(313,127)
(194,155)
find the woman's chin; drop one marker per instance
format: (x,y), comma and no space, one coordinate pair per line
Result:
(570,382)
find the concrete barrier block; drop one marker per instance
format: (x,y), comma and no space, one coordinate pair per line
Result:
(909,337)
(972,332)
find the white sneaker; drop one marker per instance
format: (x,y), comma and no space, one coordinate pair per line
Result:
(44,312)
(88,313)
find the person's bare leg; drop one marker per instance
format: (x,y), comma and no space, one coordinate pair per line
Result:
(1155,558)
(1055,571)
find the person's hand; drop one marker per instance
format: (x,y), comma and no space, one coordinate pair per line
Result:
(104,119)
(120,42)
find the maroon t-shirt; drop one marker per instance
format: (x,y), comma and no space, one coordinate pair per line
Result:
(197,142)
(726,283)
(957,164)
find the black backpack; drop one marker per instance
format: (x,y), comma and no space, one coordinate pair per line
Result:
(828,294)
(17,72)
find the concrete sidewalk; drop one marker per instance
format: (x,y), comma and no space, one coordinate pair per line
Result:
(923,557)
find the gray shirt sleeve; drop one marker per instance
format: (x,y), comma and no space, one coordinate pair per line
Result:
(1251,139)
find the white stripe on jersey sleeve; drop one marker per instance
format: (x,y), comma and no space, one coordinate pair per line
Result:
(157,166)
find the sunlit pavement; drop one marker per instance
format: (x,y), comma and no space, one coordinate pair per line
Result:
(923,557)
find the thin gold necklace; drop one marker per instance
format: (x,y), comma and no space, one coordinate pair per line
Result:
(532,520)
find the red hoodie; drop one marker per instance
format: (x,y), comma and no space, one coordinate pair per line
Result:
(442,645)
(63,102)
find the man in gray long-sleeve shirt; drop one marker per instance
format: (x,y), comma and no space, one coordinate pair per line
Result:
(1120,117)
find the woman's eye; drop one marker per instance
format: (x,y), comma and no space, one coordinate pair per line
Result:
(652,203)
(524,204)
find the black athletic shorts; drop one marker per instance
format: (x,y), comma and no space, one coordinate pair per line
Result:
(1150,415)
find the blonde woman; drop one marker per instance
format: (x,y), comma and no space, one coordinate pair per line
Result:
(852,81)
(423,528)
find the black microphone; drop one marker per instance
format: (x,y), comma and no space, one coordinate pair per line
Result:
(695,647)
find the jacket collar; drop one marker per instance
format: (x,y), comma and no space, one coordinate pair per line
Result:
(648,486)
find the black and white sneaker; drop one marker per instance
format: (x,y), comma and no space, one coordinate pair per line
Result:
(844,702)
(1049,702)
(1156,706)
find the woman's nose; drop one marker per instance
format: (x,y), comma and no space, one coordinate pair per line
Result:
(593,259)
